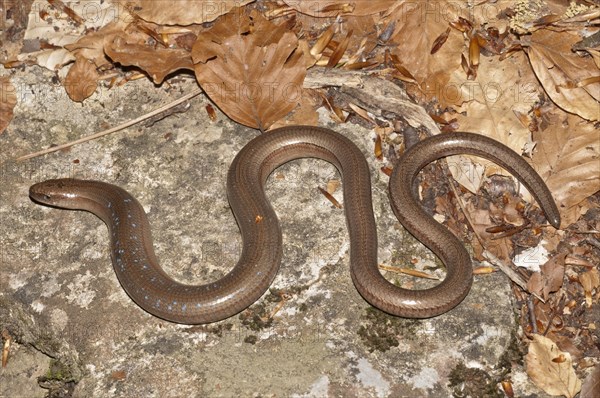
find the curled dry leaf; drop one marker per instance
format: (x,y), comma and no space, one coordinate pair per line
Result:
(158,62)
(331,8)
(81,80)
(550,277)
(559,70)
(555,378)
(439,41)
(252,69)
(181,12)
(8,100)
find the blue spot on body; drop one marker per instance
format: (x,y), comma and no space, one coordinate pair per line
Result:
(183,307)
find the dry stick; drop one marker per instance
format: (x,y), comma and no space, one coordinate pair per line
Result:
(112,130)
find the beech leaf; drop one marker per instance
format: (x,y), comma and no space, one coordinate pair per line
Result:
(567,157)
(252,69)
(559,70)
(554,377)
(81,80)
(416,29)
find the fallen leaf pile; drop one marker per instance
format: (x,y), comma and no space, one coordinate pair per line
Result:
(523,72)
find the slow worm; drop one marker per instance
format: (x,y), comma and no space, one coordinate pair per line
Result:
(152,289)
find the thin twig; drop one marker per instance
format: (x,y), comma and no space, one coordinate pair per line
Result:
(111,130)
(532,317)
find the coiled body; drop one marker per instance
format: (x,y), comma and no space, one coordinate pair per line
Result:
(152,289)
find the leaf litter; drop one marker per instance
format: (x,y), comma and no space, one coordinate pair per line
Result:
(523,72)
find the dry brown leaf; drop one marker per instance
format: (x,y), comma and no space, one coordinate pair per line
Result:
(252,69)
(559,70)
(567,157)
(339,51)
(181,12)
(81,80)
(591,384)
(589,280)
(331,8)
(480,221)
(305,113)
(595,56)
(8,100)
(156,61)
(487,105)
(555,378)
(417,28)
(364,33)
(550,278)
(91,46)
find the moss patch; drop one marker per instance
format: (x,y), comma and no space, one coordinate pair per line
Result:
(473,382)
(380,331)
(59,381)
